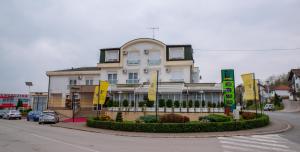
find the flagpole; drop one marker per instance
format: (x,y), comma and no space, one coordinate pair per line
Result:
(254,89)
(98,99)
(156,111)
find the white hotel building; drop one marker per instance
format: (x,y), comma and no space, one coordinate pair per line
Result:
(128,68)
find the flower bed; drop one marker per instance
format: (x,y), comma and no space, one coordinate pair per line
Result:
(261,121)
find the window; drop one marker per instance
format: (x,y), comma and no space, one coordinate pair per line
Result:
(112,78)
(176,53)
(112,56)
(132,78)
(133,58)
(72,82)
(154,58)
(88,82)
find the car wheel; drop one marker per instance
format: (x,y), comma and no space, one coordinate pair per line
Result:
(40,123)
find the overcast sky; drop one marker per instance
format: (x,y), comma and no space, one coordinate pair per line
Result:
(37,36)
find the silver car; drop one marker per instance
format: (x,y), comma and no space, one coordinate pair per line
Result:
(12,114)
(48,117)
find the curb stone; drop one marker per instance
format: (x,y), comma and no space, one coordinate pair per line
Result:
(197,135)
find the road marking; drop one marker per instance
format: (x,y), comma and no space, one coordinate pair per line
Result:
(65,143)
(257,143)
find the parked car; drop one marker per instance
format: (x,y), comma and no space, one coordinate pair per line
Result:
(12,114)
(269,107)
(48,117)
(34,115)
(2,112)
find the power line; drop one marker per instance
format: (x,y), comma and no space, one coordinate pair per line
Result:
(249,50)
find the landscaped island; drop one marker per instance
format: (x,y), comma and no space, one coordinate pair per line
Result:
(175,123)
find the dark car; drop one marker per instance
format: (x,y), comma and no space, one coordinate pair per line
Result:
(33,115)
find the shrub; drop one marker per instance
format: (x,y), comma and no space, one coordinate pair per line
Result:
(190,103)
(184,104)
(116,103)
(197,104)
(176,104)
(180,127)
(119,117)
(141,104)
(248,115)
(148,118)
(110,103)
(132,103)
(149,103)
(222,104)
(216,118)
(161,103)
(203,103)
(104,117)
(209,104)
(169,103)
(125,103)
(214,105)
(174,118)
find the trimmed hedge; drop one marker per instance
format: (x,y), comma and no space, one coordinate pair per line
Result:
(180,127)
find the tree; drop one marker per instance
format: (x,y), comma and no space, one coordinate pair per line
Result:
(209,104)
(169,103)
(19,104)
(125,103)
(184,104)
(197,104)
(203,103)
(190,103)
(149,103)
(161,103)
(176,104)
(277,100)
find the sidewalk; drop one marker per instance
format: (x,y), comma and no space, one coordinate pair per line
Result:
(275,126)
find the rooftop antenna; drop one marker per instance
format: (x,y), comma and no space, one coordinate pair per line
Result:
(153,31)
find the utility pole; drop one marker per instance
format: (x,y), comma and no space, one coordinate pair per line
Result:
(153,31)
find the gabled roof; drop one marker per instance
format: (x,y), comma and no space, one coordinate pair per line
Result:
(292,72)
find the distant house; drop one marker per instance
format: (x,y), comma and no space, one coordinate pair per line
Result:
(294,80)
(282,91)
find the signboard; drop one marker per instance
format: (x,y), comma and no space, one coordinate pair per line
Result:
(236,114)
(248,80)
(100,99)
(11,100)
(152,87)
(228,87)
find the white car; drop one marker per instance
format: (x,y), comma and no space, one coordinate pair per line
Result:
(48,117)
(12,114)
(269,107)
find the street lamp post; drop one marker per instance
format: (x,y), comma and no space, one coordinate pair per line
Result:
(29,84)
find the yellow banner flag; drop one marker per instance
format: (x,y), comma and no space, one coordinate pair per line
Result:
(249,86)
(103,92)
(152,86)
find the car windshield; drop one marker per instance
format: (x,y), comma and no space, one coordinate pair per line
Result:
(48,113)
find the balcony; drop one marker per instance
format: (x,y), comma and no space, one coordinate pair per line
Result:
(154,62)
(132,81)
(133,62)
(113,81)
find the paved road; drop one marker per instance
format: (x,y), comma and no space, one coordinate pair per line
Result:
(23,136)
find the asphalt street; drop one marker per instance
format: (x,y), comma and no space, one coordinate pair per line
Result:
(23,136)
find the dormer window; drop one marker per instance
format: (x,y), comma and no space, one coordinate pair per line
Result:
(176,53)
(112,56)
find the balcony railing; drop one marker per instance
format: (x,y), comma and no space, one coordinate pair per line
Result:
(133,62)
(114,81)
(154,62)
(132,81)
